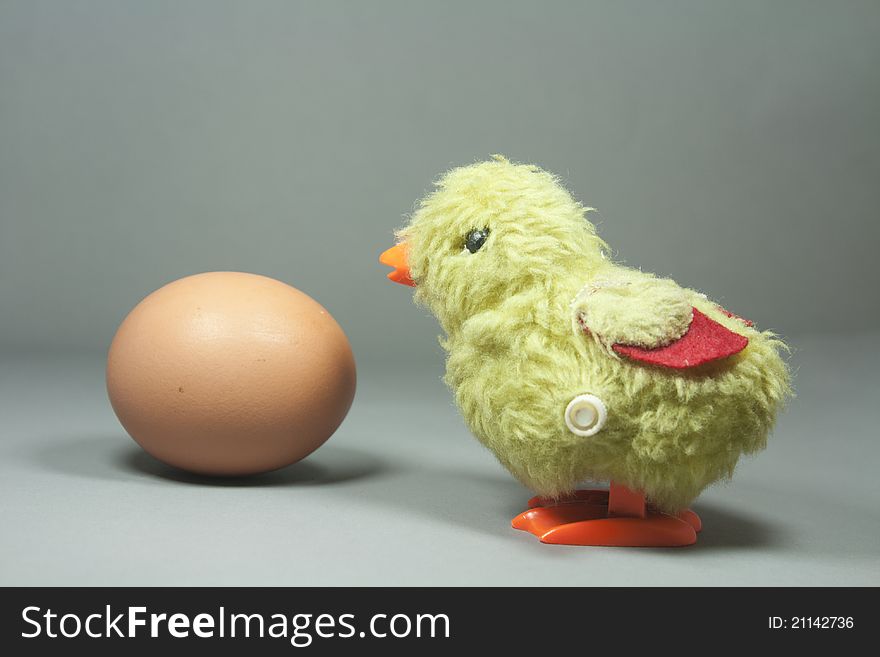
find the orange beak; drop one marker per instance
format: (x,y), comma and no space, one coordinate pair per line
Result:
(396,257)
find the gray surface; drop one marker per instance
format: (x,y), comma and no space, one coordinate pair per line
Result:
(731,145)
(403,495)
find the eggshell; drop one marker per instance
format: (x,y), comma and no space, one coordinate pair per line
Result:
(228,373)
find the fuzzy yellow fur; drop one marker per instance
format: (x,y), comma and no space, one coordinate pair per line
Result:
(517,354)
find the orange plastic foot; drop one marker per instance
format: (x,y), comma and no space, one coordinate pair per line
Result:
(584,518)
(692,519)
(625,502)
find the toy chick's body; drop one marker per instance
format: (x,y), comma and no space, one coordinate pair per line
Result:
(537,316)
(669,435)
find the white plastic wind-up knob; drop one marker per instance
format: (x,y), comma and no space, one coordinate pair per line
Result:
(585,415)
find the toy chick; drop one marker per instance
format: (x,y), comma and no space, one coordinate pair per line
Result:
(572,368)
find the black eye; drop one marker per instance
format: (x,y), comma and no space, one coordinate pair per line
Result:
(475,239)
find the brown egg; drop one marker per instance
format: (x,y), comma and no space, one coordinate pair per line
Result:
(226,373)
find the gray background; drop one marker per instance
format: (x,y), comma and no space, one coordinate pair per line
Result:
(731,145)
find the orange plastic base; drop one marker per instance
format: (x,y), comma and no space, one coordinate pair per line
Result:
(617,517)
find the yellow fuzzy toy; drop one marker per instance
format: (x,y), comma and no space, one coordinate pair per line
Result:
(538,320)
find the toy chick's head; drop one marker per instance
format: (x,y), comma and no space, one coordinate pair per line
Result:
(488,232)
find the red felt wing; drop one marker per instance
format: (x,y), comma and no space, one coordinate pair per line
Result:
(705,341)
(745,321)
